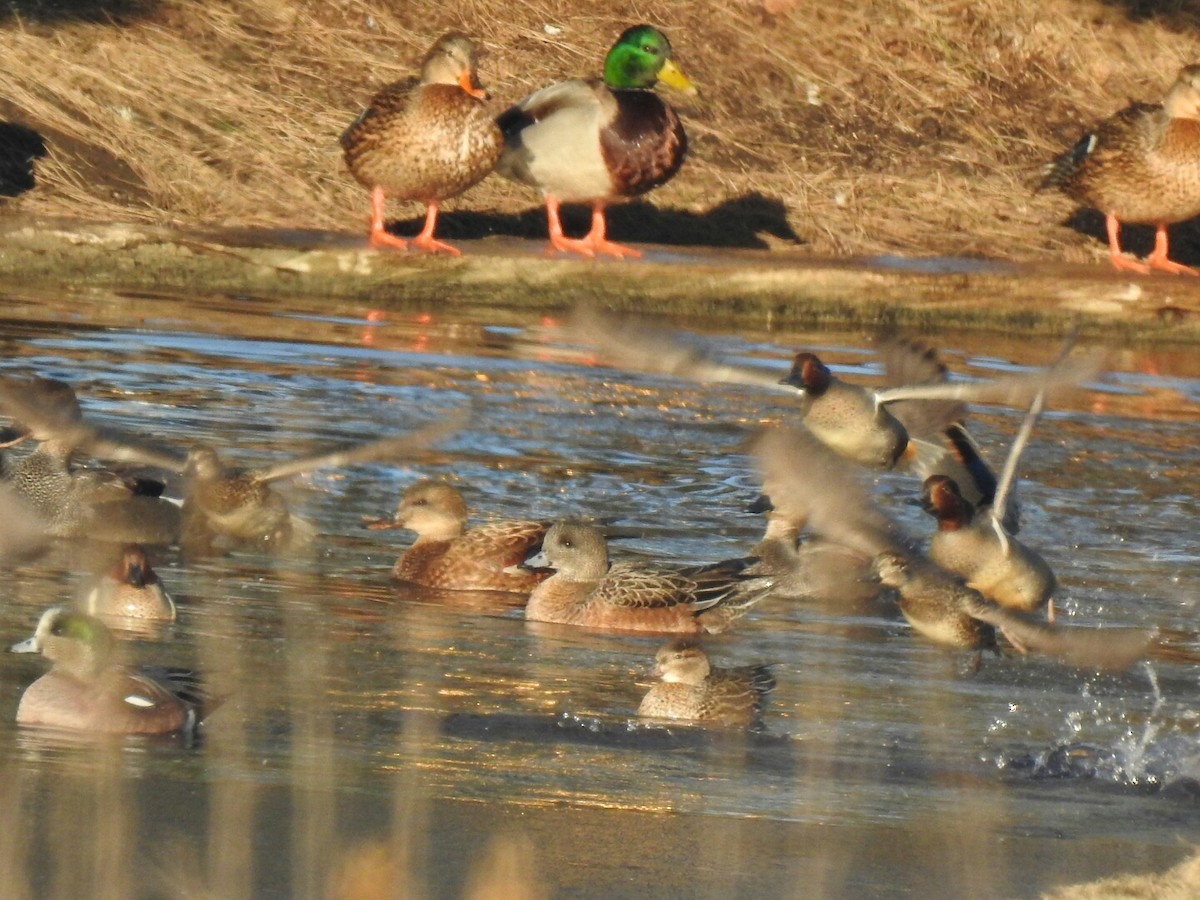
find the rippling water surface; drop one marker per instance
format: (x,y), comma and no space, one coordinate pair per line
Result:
(364,715)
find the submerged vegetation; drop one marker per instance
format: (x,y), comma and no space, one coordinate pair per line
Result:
(899,126)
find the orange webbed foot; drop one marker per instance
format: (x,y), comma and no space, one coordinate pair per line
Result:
(381,238)
(1125,264)
(1165,265)
(569,245)
(620,251)
(431,245)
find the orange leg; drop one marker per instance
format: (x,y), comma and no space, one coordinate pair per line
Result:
(1114,248)
(379,235)
(1158,258)
(424,240)
(597,241)
(558,240)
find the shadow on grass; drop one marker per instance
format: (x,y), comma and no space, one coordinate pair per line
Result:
(1138,240)
(740,222)
(19,147)
(114,12)
(1174,15)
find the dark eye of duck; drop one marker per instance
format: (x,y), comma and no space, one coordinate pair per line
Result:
(567,543)
(651,49)
(421,502)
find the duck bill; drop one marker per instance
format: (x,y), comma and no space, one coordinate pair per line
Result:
(672,76)
(467,83)
(29,645)
(536,561)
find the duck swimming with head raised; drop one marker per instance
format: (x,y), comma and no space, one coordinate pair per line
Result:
(450,556)
(693,690)
(87,690)
(587,590)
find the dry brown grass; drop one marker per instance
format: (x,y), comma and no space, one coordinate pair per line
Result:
(1179,883)
(899,126)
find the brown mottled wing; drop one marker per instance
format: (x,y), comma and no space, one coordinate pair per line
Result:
(635,587)
(383,449)
(507,542)
(804,473)
(739,693)
(389,104)
(1120,134)
(644,145)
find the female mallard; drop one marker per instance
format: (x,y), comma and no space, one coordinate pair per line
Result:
(599,141)
(1141,165)
(424,142)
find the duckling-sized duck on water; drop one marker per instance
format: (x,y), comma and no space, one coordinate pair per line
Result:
(450,556)
(425,142)
(87,690)
(1142,165)
(129,593)
(587,590)
(599,141)
(694,690)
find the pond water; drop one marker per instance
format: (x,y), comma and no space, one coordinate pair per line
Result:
(373,734)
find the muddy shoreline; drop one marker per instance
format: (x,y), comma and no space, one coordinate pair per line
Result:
(734,288)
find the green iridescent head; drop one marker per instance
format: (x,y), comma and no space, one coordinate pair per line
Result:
(640,58)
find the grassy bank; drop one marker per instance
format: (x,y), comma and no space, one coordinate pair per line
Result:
(902,126)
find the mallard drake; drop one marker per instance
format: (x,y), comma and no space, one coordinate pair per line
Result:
(1142,165)
(426,142)
(601,140)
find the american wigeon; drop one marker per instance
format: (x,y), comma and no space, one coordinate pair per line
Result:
(587,590)
(450,556)
(693,690)
(86,690)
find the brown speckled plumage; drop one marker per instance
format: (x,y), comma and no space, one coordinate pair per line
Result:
(425,141)
(450,556)
(695,691)
(1142,165)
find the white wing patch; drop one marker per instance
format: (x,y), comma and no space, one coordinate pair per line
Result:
(139,700)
